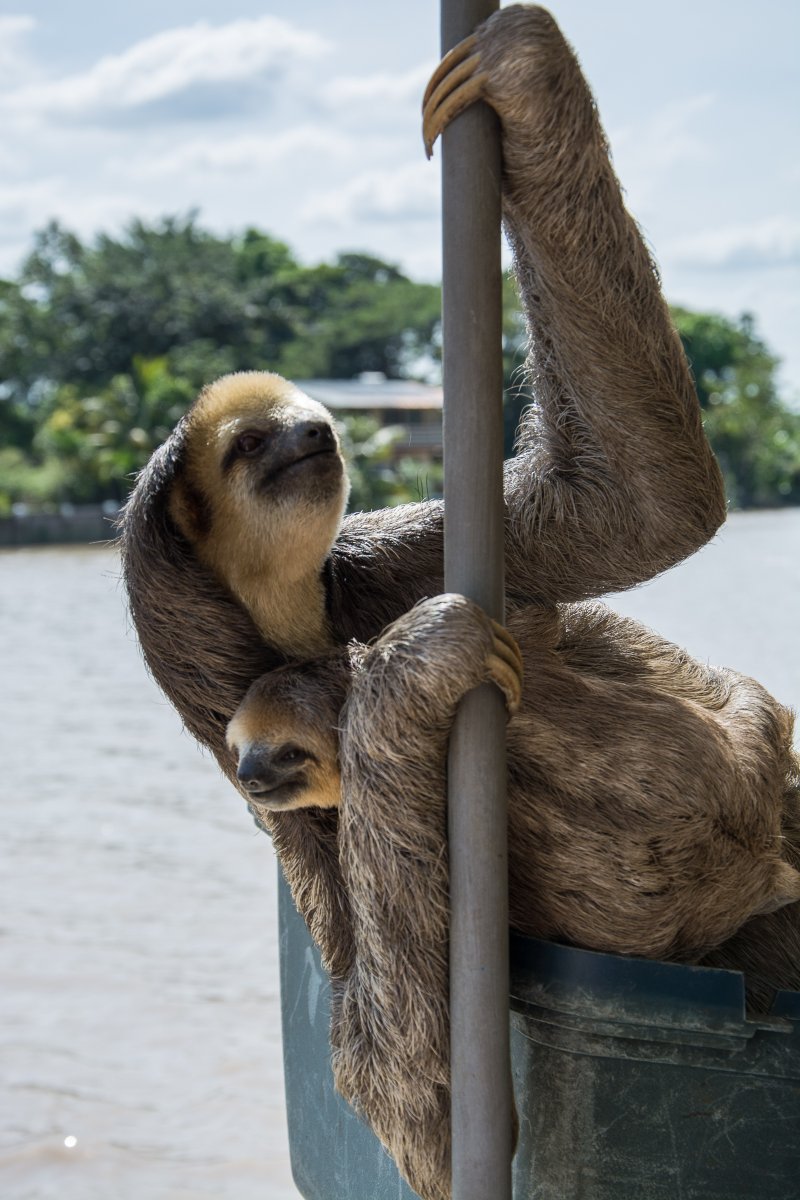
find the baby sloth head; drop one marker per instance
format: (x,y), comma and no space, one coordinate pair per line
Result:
(285,736)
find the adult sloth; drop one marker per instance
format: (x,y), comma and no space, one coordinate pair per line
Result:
(231,554)
(612,483)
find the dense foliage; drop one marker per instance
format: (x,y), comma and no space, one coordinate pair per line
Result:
(103,345)
(755,436)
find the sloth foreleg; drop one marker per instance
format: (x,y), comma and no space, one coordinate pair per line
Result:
(614,480)
(390,1027)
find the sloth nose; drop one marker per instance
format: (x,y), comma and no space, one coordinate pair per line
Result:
(256,771)
(317,432)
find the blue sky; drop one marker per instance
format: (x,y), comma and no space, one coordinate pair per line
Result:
(302,118)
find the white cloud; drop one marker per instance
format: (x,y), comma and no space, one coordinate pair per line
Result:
(381,89)
(248,152)
(400,194)
(13,27)
(30,206)
(14,63)
(21,204)
(773,242)
(170,64)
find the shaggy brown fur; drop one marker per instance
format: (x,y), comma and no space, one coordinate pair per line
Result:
(613,482)
(665,840)
(646,798)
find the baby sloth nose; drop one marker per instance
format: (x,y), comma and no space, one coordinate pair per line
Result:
(264,768)
(256,772)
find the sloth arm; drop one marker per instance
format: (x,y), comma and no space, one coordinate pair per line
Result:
(613,480)
(390,1022)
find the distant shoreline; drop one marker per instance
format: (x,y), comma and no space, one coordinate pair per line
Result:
(88,524)
(79,524)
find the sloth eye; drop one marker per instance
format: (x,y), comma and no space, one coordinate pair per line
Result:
(249,443)
(292,754)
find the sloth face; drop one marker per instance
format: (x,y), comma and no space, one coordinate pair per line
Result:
(258,445)
(281,452)
(275,776)
(263,487)
(286,776)
(285,738)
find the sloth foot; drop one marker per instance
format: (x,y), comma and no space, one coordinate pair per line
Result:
(454,86)
(504,664)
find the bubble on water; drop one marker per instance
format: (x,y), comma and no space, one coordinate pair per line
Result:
(70,1142)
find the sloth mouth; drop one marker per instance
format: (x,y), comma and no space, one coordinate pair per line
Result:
(287,467)
(277,797)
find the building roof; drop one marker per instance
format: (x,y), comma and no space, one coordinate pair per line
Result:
(372,390)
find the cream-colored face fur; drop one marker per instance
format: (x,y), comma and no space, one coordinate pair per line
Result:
(261,498)
(284,761)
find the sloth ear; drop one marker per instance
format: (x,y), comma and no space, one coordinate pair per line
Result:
(186,504)
(147,505)
(166,463)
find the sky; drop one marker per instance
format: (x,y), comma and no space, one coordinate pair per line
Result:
(303,119)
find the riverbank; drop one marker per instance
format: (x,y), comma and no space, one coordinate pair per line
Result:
(73,524)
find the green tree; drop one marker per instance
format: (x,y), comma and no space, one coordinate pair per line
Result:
(91,310)
(101,438)
(359,314)
(81,314)
(755,436)
(103,345)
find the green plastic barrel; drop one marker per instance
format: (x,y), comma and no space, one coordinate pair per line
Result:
(634,1080)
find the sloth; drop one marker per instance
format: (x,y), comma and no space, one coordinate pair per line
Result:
(645,806)
(662,844)
(237,560)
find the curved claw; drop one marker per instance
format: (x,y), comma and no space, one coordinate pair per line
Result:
(458,53)
(454,85)
(504,665)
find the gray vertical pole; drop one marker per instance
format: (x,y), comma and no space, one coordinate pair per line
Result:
(477,817)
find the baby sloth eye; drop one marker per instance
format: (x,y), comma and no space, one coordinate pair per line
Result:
(250,443)
(291,755)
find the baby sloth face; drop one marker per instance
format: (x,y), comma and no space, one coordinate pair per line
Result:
(285,737)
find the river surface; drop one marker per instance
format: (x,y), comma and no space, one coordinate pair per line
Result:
(140,1053)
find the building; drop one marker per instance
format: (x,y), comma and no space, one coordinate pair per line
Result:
(414,407)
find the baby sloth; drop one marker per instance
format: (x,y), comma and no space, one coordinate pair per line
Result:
(651,801)
(285,732)
(645,812)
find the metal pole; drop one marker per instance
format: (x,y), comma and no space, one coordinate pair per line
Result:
(477,815)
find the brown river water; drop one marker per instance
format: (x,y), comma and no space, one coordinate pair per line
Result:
(140,1054)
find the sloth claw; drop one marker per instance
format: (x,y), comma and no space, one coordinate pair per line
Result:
(458,53)
(452,87)
(504,664)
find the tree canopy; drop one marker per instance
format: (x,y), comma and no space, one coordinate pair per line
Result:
(104,344)
(755,436)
